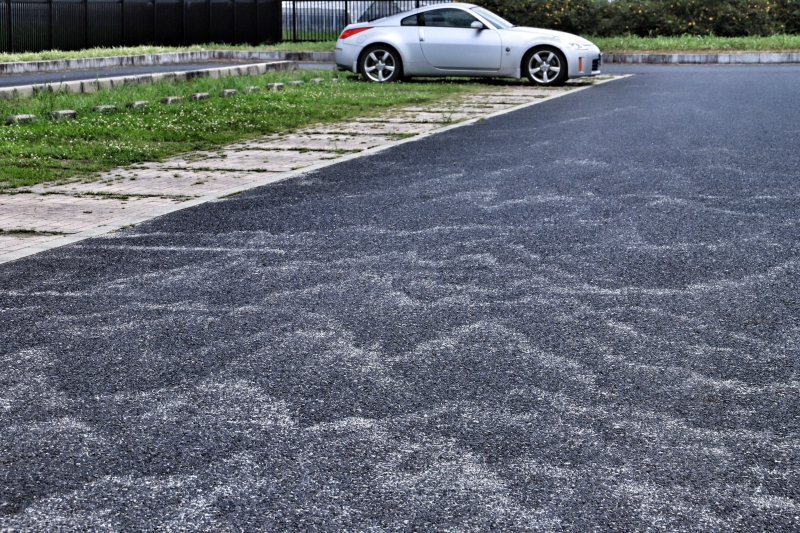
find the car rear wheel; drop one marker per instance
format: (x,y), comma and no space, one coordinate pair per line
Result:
(545,66)
(381,64)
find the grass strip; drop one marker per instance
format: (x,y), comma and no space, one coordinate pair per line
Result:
(139,50)
(620,44)
(48,150)
(22,232)
(697,43)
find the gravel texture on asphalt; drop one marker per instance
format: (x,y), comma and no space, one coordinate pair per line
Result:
(581,316)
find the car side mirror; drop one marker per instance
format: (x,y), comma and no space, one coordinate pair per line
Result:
(478,25)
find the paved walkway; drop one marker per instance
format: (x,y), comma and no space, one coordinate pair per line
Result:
(62,213)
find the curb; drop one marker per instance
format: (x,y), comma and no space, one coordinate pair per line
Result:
(28,67)
(770,58)
(144,217)
(95,84)
(88,63)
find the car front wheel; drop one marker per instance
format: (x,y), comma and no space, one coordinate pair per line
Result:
(381,64)
(545,66)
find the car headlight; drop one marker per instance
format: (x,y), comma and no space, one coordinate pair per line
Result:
(577,46)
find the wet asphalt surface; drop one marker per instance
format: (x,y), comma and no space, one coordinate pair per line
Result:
(14,80)
(581,316)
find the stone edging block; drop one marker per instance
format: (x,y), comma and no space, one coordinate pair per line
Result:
(200,96)
(95,85)
(274,86)
(104,108)
(20,119)
(136,104)
(226,93)
(62,114)
(92,63)
(171,100)
(705,59)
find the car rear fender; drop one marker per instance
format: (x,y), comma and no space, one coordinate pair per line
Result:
(380,42)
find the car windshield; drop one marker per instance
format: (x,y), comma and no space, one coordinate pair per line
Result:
(498,22)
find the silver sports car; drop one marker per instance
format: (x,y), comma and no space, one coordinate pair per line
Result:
(462,40)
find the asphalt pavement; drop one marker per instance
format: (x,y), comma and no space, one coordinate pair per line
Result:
(74,75)
(580,316)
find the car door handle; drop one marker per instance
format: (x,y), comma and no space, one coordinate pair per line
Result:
(421,34)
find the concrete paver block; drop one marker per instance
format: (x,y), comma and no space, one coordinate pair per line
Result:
(63,114)
(104,108)
(227,93)
(23,92)
(73,87)
(191,74)
(252,89)
(274,86)
(20,119)
(316,80)
(42,88)
(137,104)
(200,96)
(334,79)
(296,83)
(171,100)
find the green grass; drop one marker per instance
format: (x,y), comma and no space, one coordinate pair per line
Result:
(691,43)
(684,43)
(48,150)
(137,50)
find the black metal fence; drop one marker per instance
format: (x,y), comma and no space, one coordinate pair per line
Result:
(33,25)
(323,20)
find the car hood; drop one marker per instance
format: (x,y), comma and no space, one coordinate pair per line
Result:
(553,34)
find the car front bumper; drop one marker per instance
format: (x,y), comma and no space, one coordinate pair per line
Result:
(584,63)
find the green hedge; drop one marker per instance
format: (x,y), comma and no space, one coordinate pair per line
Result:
(725,18)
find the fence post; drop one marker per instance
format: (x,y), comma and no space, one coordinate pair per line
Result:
(183,22)
(155,24)
(52,26)
(122,17)
(257,25)
(86,23)
(234,22)
(294,20)
(346,13)
(210,24)
(10,29)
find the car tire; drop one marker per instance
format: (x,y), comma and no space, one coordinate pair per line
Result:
(546,66)
(380,64)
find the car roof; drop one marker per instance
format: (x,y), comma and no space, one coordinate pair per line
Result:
(404,14)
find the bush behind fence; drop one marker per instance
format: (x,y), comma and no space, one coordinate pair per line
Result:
(724,18)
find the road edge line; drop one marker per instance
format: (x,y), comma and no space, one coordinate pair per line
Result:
(150,215)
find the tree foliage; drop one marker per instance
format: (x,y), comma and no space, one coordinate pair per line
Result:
(726,18)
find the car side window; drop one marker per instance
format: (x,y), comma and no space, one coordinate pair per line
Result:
(448,18)
(410,21)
